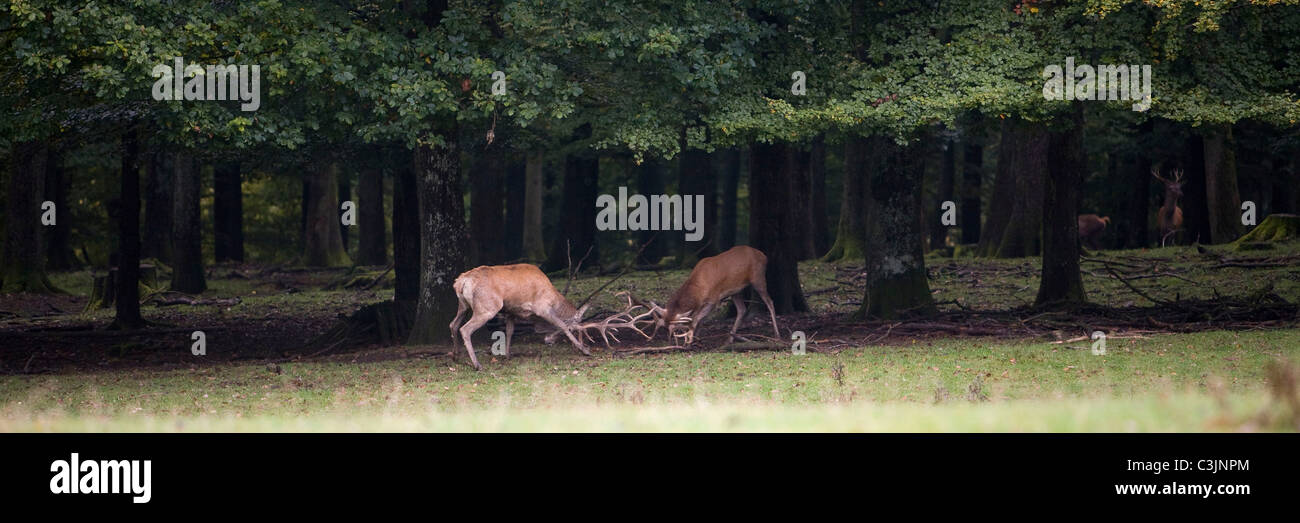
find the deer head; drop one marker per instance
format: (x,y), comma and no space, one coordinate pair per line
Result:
(1173,188)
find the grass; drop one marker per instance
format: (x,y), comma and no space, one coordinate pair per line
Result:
(1192,382)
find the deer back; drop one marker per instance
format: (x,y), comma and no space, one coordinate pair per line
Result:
(522,288)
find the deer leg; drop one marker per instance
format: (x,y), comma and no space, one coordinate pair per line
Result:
(510,332)
(475,322)
(461,307)
(699,318)
(771,311)
(740,315)
(560,325)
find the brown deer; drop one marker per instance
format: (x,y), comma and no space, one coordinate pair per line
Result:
(521,292)
(1090,229)
(1170,216)
(712,280)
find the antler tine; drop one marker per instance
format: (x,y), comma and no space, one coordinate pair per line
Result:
(1156,173)
(1178,175)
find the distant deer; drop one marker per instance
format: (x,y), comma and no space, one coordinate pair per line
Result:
(712,280)
(521,292)
(1090,229)
(1170,216)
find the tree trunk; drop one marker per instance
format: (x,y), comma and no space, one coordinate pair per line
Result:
(515,197)
(577,234)
(344,194)
(1135,227)
(486,220)
(1062,283)
(406,234)
(1015,221)
(947,179)
(59,256)
(897,283)
(1223,198)
(774,225)
(442,238)
(24,256)
(851,233)
(372,240)
(324,241)
(1286,195)
(972,176)
(187,232)
(158,207)
(650,180)
(820,237)
(534,191)
(696,179)
(1195,200)
(728,167)
(126,296)
(227,213)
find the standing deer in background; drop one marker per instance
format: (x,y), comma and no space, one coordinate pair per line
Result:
(1170,216)
(519,291)
(1090,228)
(712,280)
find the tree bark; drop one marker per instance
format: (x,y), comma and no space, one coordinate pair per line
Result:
(127,293)
(323,245)
(227,213)
(372,238)
(577,234)
(897,283)
(774,225)
(534,191)
(187,235)
(406,234)
(947,180)
(443,238)
(24,256)
(1062,283)
(728,168)
(486,218)
(1195,200)
(1135,227)
(1015,221)
(696,179)
(59,256)
(1222,195)
(515,197)
(972,176)
(819,237)
(851,234)
(158,207)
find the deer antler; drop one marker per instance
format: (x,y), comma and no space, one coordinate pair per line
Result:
(625,319)
(1156,173)
(1178,176)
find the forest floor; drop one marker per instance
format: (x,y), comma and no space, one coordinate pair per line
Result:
(1197,340)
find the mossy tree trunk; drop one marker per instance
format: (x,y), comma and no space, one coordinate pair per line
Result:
(443,238)
(1062,282)
(24,258)
(323,245)
(187,232)
(897,283)
(851,233)
(774,224)
(1015,221)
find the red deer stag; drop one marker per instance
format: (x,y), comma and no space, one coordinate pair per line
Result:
(1090,229)
(1170,216)
(712,280)
(521,292)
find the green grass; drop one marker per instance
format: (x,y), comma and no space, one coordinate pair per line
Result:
(1190,382)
